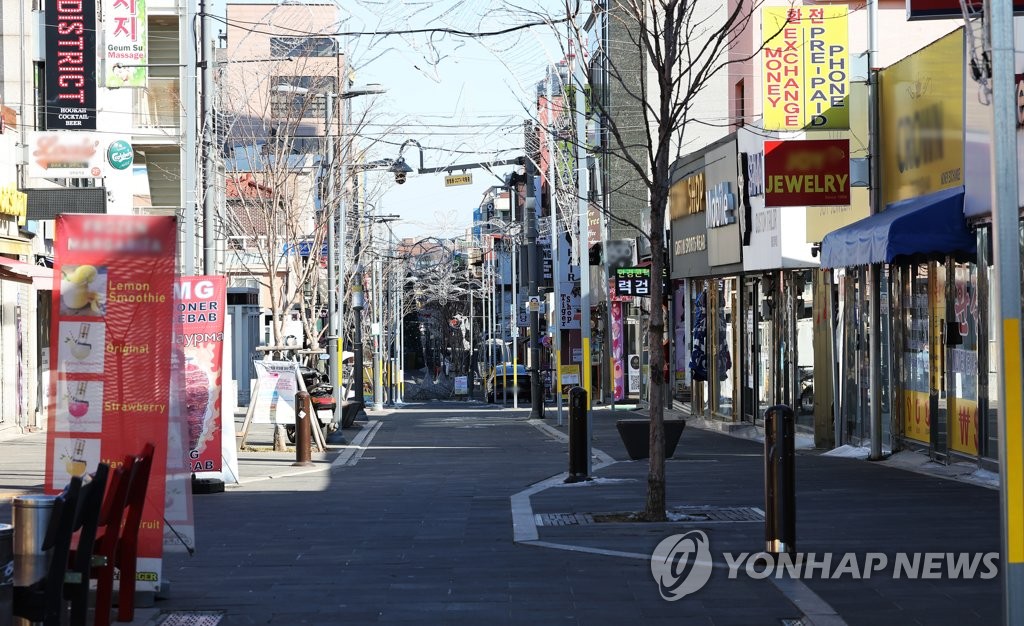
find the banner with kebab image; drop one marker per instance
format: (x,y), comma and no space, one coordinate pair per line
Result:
(201,309)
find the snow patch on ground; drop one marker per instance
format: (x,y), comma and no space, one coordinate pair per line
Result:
(598,481)
(849,452)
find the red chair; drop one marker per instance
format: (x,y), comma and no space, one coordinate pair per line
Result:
(126,552)
(108,536)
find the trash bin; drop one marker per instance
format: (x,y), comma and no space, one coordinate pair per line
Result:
(30,514)
(6,574)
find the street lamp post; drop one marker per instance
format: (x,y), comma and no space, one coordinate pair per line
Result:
(335,233)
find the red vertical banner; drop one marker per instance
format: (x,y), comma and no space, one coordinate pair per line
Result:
(202,305)
(111,354)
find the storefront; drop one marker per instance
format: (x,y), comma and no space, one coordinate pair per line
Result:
(706,264)
(778,264)
(930,279)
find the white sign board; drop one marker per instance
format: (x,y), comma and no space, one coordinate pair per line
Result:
(461,385)
(277,382)
(634,373)
(76,154)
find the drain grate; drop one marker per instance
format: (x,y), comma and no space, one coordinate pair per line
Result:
(685,514)
(192,618)
(716,514)
(563,519)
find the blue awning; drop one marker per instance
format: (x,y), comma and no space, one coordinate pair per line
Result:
(924,227)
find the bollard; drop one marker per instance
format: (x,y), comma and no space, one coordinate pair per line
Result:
(577,435)
(31,516)
(6,574)
(303,431)
(779,480)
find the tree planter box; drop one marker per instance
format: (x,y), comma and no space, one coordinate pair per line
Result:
(636,434)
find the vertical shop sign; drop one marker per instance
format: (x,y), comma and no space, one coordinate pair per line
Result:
(618,373)
(70,30)
(125,45)
(805,67)
(201,309)
(110,390)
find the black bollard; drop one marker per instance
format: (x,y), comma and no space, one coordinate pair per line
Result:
(779,480)
(303,431)
(577,435)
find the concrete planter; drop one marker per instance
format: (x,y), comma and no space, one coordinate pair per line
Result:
(636,434)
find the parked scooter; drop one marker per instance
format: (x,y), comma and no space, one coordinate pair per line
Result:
(321,396)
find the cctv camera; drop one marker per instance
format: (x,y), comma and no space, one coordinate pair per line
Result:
(400,178)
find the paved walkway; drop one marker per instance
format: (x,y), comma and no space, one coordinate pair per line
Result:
(445,513)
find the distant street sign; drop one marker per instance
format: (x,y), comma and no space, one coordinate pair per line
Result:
(458,179)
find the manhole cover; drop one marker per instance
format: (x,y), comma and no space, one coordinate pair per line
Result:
(192,618)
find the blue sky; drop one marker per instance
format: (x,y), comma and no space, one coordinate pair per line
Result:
(463,100)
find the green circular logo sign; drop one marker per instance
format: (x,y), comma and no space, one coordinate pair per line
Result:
(120,155)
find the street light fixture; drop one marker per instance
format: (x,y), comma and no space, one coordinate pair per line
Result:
(335,262)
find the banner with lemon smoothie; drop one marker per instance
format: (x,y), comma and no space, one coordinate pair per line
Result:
(111,353)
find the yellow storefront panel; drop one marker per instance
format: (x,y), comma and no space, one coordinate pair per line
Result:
(917,419)
(962,421)
(922,132)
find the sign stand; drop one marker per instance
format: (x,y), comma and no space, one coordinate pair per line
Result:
(318,434)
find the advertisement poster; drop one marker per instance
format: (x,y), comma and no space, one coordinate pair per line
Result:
(202,302)
(110,384)
(569,312)
(277,382)
(125,43)
(78,154)
(570,376)
(461,385)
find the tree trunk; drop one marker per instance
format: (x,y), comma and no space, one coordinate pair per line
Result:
(655,508)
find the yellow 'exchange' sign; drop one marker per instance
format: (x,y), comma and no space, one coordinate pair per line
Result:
(805,67)
(458,179)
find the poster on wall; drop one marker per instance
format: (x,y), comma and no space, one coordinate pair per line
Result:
(110,386)
(202,302)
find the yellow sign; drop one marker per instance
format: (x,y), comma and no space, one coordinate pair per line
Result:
(922,121)
(687,197)
(821,220)
(458,179)
(805,67)
(13,202)
(916,417)
(570,377)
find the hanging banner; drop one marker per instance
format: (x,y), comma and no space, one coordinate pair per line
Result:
(618,371)
(805,67)
(202,302)
(125,43)
(277,382)
(70,30)
(110,388)
(569,311)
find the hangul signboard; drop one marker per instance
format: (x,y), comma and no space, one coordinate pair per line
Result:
(634,281)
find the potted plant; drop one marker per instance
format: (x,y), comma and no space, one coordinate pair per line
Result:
(636,435)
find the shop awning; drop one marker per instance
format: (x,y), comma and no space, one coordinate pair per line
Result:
(40,277)
(923,227)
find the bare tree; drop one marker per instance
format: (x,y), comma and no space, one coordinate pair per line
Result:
(661,62)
